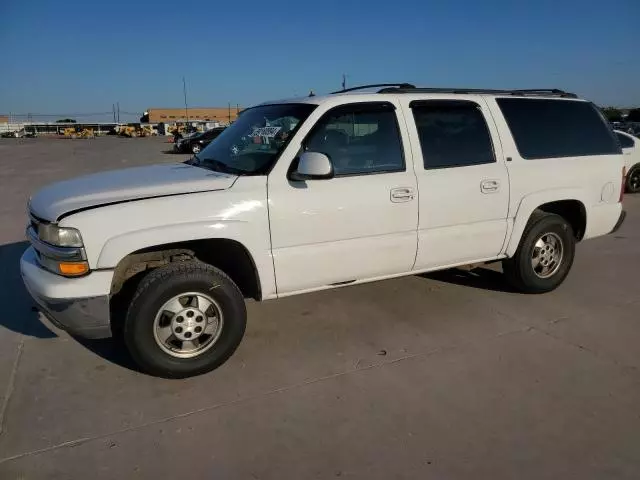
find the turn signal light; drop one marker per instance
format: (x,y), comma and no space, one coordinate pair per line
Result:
(73,268)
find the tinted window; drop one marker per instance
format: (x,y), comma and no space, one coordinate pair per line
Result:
(252,144)
(625,141)
(359,139)
(545,128)
(452,134)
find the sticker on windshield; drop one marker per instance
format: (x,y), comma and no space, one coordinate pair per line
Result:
(265,131)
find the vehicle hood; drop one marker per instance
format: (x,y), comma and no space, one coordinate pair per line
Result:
(124,185)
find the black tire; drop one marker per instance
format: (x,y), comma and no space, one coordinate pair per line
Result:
(158,287)
(196,148)
(519,271)
(632,182)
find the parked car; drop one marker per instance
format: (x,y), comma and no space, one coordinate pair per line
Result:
(22,133)
(327,191)
(195,143)
(631,149)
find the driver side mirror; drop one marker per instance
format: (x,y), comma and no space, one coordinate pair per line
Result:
(313,166)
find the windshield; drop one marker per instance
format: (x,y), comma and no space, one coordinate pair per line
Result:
(251,144)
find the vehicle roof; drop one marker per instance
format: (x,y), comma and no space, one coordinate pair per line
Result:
(425,93)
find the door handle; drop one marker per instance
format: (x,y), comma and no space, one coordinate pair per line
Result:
(489,186)
(402,194)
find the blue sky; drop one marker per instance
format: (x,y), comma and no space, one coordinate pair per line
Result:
(66,57)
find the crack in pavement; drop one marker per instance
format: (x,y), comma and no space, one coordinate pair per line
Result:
(624,368)
(10,385)
(82,440)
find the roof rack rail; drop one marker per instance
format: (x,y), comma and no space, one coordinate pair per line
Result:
(362,87)
(547,92)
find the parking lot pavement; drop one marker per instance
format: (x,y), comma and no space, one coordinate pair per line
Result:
(447,375)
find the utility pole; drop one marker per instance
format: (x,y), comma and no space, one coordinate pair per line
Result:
(344,82)
(118,106)
(113,107)
(184,91)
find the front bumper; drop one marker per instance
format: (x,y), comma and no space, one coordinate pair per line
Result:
(78,305)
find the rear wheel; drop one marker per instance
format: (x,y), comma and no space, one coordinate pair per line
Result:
(544,257)
(195,148)
(633,180)
(185,319)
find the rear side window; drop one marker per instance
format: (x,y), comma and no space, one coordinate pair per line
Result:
(452,134)
(544,128)
(625,141)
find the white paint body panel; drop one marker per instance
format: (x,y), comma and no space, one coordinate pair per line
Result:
(124,185)
(240,213)
(631,154)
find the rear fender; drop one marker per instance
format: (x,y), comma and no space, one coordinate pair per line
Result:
(530,203)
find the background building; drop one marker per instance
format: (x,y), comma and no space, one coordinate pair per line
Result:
(222,115)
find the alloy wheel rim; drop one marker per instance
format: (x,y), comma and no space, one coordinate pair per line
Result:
(188,325)
(547,255)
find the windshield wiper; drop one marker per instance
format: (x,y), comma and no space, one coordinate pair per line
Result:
(194,161)
(224,168)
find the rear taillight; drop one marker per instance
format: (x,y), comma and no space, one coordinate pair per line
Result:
(624,178)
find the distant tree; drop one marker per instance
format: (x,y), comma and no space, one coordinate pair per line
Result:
(144,118)
(612,114)
(66,120)
(634,115)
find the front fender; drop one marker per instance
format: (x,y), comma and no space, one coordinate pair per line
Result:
(532,201)
(118,247)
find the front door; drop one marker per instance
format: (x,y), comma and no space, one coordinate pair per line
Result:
(462,180)
(359,225)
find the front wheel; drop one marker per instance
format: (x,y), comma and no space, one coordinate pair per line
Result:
(544,257)
(633,180)
(195,149)
(185,319)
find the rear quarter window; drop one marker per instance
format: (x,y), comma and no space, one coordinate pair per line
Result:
(544,128)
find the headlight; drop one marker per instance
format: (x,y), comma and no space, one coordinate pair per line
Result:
(59,236)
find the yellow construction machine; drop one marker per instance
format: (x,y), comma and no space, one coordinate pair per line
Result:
(76,132)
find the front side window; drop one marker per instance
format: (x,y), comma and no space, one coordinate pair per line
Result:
(452,134)
(625,141)
(545,128)
(252,144)
(359,139)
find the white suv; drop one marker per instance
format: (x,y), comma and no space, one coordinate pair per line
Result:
(320,192)
(631,150)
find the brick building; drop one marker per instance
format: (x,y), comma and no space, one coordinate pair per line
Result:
(213,114)
(4,119)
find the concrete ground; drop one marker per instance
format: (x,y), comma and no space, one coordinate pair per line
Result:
(444,376)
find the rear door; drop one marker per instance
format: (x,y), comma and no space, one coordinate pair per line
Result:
(462,181)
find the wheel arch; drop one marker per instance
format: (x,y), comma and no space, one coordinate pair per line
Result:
(229,255)
(568,203)
(633,168)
